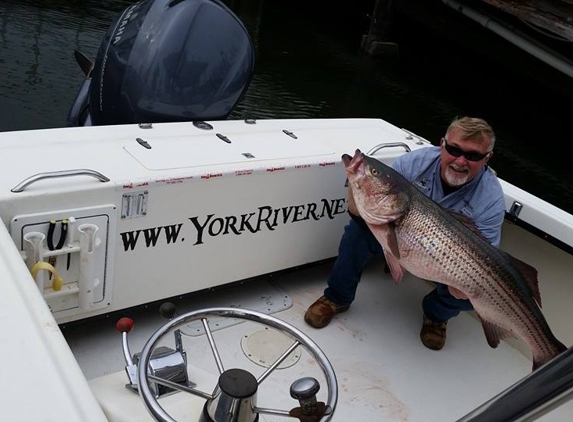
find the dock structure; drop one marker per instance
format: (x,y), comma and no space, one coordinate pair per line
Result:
(546,26)
(541,28)
(377,41)
(554,16)
(553,19)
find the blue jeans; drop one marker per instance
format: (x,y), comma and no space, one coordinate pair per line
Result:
(357,248)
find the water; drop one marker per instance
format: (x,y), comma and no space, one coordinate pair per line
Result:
(309,65)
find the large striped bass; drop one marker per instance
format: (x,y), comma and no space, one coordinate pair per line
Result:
(432,243)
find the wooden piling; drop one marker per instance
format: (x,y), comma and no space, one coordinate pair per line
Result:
(377,41)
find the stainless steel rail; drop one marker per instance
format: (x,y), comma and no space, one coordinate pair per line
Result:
(55,174)
(538,393)
(378,147)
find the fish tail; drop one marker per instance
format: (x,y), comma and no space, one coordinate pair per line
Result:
(542,359)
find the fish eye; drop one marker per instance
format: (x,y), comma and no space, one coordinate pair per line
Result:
(374,171)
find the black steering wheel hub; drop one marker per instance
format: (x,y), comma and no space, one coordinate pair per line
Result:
(238,383)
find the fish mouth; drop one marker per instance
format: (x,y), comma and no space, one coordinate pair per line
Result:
(353,164)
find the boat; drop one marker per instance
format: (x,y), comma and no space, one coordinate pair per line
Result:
(250,225)
(161,270)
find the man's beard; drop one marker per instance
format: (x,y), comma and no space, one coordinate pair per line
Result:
(455,178)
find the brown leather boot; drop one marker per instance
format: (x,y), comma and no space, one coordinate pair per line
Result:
(320,313)
(433,334)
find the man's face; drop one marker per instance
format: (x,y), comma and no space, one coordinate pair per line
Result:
(456,171)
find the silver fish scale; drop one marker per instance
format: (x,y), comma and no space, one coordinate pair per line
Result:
(435,246)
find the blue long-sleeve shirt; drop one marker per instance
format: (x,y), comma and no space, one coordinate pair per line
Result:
(481,199)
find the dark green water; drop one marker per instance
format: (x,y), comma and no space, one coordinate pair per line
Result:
(309,65)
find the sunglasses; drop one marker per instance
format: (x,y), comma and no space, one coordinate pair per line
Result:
(468,155)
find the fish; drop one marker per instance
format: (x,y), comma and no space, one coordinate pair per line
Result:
(423,238)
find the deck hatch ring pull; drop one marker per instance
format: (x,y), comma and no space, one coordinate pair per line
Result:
(143,143)
(146,125)
(289,133)
(515,209)
(251,121)
(56,174)
(223,138)
(388,145)
(199,124)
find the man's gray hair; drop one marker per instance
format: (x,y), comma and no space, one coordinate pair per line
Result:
(473,129)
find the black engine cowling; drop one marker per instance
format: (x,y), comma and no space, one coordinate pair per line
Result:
(168,60)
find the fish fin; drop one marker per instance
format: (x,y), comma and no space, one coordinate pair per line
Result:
(395,268)
(468,222)
(529,274)
(493,332)
(392,241)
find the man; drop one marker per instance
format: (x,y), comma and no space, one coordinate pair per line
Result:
(456,176)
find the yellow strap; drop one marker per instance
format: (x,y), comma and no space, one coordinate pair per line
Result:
(57,282)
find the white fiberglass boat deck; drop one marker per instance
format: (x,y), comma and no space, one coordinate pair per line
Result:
(384,372)
(200,215)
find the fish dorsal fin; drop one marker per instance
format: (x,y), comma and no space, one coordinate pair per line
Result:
(468,222)
(529,274)
(493,332)
(395,268)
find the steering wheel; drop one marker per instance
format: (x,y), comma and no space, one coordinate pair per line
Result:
(288,330)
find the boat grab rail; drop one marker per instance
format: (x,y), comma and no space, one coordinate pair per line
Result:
(56,174)
(378,147)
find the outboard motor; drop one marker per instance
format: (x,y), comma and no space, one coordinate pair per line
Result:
(166,61)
